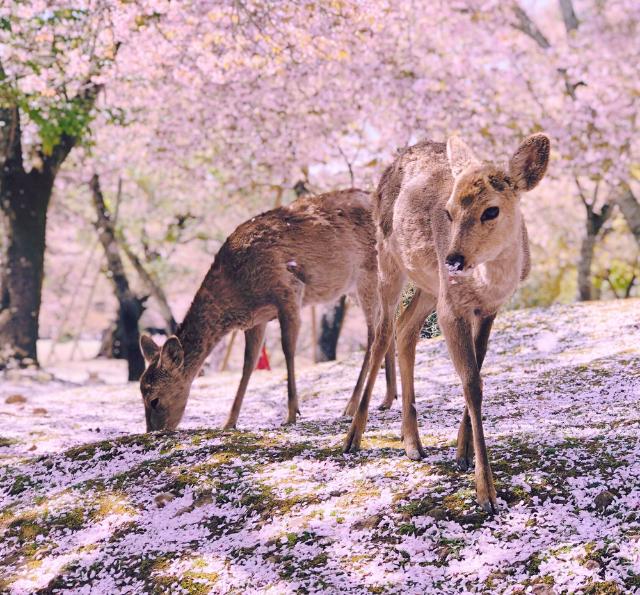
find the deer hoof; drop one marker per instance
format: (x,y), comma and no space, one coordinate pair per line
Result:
(415,451)
(351,443)
(229,426)
(489,505)
(349,411)
(464,463)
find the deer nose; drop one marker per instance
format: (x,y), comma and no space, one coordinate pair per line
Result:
(455,261)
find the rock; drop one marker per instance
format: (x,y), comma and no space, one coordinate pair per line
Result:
(592,565)
(438,513)
(542,590)
(15,399)
(163,499)
(40,411)
(371,522)
(603,500)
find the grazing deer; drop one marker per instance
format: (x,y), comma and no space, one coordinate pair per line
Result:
(452,225)
(312,251)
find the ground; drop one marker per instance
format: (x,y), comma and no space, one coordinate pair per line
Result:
(88,503)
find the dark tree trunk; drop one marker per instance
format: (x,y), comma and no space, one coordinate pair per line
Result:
(24,199)
(594,224)
(585,283)
(330,327)
(127,336)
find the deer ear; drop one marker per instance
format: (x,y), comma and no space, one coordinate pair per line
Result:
(148,347)
(460,155)
(529,163)
(172,354)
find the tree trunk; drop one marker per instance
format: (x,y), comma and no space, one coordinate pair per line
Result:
(595,222)
(630,210)
(130,307)
(330,327)
(585,285)
(24,199)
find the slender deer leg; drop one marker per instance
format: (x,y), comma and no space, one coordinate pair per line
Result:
(459,336)
(289,317)
(253,339)
(390,375)
(409,326)
(351,406)
(390,289)
(464,454)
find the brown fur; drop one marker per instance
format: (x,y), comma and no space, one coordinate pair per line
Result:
(433,205)
(312,251)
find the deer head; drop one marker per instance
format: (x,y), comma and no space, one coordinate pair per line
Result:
(164,384)
(484,206)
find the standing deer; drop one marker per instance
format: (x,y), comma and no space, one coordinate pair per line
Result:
(312,251)
(452,225)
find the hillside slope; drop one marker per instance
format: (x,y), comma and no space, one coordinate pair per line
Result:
(89,505)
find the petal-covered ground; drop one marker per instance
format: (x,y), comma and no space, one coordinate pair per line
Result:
(88,504)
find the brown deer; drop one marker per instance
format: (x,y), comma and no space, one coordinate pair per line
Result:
(452,225)
(311,251)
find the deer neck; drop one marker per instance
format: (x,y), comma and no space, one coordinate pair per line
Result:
(499,278)
(204,325)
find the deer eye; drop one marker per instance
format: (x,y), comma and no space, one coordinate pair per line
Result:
(449,215)
(490,213)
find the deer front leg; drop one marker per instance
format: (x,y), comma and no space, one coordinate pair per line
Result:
(253,339)
(409,326)
(458,334)
(390,376)
(464,454)
(289,317)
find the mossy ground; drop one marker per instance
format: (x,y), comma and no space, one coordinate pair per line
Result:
(282,510)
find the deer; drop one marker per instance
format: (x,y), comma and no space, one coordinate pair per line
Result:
(311,251)
(453,225)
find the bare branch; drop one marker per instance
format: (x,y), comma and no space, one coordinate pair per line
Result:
(528,27)
(60,152)
(568,15)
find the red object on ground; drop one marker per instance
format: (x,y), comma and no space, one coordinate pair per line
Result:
(263,362)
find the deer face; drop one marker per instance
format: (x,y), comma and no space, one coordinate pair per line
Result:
(484,206)
(164,385)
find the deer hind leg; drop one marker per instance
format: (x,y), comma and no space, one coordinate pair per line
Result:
(409,326)
(390,375)
(390,289)
(464,454)
(460,342)
(289,317)
(253,339)
(351,406)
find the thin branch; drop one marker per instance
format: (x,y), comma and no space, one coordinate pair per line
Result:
(528,27)
(346,159)
(568,15)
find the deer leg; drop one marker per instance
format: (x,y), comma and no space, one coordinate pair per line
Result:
(460,343)
(351,406)
(409,326)
(289,317)
(253,339)
(389,288)
(390,376)
(464,453)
